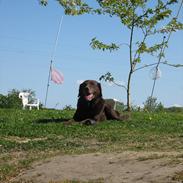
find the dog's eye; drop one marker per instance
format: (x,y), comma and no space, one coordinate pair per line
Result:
(83,85)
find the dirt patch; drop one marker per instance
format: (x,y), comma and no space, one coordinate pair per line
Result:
(22,140)
(124,167)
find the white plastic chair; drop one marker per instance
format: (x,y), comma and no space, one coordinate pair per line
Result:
(25,101)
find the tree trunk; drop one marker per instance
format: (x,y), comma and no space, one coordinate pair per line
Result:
(129,91)
(131,65)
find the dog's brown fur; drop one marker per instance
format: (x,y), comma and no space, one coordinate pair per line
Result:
(91,107)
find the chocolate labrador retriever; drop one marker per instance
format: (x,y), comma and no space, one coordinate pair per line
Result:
(91,107)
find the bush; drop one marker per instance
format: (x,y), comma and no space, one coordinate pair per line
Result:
(175,109)
(12,100)
(3,101)
(152,105)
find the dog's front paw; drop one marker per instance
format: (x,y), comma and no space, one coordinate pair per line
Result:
(88,122)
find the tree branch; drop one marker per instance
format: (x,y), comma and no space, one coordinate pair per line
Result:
(135,60)
(120,85)
(165,63)
(149,65)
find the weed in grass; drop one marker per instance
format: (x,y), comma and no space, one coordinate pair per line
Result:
(25,163)
(6,170)
(178,177)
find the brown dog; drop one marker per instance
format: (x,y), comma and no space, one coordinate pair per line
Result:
(91,107)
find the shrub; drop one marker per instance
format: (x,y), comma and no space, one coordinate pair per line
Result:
(175,109)
(12,100)
(152,105)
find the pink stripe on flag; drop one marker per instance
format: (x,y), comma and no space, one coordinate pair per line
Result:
(56,77)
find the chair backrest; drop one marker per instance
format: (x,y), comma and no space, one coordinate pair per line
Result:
(24,96)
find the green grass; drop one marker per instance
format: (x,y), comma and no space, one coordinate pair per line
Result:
(27,136)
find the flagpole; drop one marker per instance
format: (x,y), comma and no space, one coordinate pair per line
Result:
(52,58)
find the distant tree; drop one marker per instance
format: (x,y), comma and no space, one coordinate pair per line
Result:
(151,105)
(174,109)
(12,100)
(68,108)
(143,19)
(3,101)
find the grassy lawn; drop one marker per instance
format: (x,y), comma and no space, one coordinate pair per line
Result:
(27,136)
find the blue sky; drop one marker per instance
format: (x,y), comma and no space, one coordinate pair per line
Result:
(27,37)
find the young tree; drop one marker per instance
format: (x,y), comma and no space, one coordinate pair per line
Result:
(145,17)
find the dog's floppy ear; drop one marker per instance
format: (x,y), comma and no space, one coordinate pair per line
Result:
(80,90)
(100,88)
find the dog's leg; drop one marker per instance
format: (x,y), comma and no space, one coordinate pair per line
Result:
(69,122)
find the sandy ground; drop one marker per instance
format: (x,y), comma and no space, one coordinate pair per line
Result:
(126,167)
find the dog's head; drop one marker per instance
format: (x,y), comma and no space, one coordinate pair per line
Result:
(90,89)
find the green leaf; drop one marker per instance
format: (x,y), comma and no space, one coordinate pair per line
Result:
(74,7)
(137,60)
(107,77)
(43,2)
(95,44)
(172,26)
